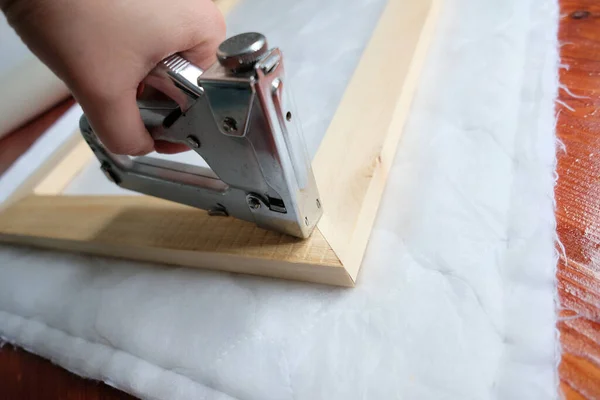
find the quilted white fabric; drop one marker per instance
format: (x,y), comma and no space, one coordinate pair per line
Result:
(455,298)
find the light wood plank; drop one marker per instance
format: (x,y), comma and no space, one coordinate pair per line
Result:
(145,228)
(354,159)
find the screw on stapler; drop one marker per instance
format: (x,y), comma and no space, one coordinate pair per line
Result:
(238,115)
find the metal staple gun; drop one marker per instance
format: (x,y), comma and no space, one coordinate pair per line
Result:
(238,116)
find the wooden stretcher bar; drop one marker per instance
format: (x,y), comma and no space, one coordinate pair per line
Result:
(351,168)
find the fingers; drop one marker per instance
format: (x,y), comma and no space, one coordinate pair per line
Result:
(206,30)
(118,123)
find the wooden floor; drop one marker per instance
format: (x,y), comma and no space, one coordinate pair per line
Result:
(578,199)
(25,376)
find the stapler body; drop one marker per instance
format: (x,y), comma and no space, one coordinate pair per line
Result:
(238,116)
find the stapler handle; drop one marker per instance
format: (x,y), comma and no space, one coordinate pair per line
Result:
(177,78)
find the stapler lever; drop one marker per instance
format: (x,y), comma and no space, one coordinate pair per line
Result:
(239,117)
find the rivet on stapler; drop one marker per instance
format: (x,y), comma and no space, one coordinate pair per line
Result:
(237,115)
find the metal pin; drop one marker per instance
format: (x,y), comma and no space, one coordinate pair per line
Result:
(229,125)
(253,202)
(193,142)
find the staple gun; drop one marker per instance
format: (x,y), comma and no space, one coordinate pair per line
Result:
(238,116)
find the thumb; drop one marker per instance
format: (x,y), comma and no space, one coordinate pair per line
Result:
(118,123)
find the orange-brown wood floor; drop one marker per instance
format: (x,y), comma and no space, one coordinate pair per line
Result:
(24,376)
(578,199)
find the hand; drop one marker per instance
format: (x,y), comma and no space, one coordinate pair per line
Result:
(102,50)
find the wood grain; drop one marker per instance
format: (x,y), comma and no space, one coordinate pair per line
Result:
(578,198)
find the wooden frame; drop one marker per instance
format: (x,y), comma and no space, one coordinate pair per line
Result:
(351,168)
